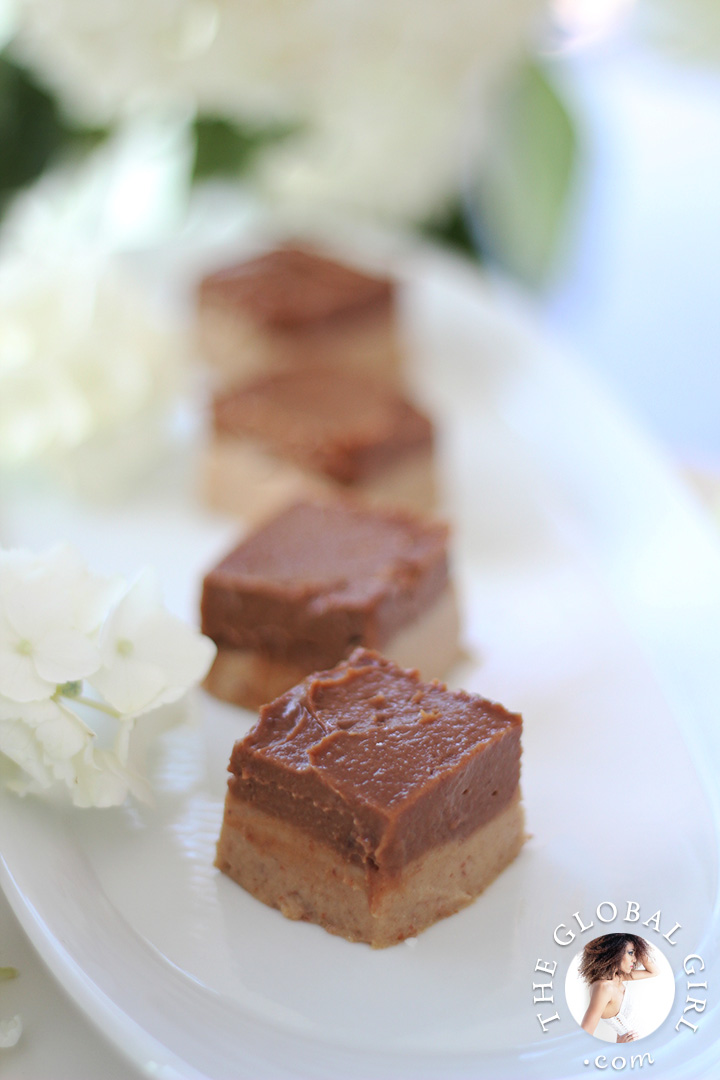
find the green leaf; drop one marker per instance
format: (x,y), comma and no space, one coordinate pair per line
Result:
(521,199)
(453,229)
(33,131)
(8,973)
(225,148)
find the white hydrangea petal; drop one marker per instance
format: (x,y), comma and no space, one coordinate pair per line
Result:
(101,780)
(129,685)
(89,596)
(8,635)
(180,651)
(122,740)
(64,655)
(54,589)
(10,710)
(61,561)
(37,599)
(37,635)
(63,771)
(62,737)
(10,1032)
(110,765)
(94,597)
(142,599)
(43,741)
(149,656)
(19,678)
(17,741)
(14,560)
(22,784)
(31,712)
(93,778)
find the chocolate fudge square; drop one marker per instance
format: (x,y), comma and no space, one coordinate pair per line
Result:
(303,590)
(295,306)
(373,803)
(310,432)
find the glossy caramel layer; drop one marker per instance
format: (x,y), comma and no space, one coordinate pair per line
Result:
(377,764)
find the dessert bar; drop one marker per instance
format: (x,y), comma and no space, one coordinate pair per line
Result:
(307,587)
(292,307)
(313,432)
(371,802)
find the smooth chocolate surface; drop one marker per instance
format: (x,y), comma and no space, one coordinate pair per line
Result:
(344,425)
(381,766)
(321,578)
(292,287)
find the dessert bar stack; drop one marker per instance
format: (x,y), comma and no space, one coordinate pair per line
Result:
(366,799)
(310,400)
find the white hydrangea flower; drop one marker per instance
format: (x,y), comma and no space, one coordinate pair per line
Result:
(85,352)
(80,353)
(401,120)
(62,627)
(384,90)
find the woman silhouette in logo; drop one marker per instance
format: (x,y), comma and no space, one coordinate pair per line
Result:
(611,966)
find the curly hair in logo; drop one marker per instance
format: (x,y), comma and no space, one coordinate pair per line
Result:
(602,956)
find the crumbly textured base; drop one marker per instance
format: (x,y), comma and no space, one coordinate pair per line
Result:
(250,678)
(239,349)
(306,879)
(240,478)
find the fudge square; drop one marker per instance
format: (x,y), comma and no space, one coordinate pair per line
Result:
(373,803)
(306,588)
(314,432)
(294,306)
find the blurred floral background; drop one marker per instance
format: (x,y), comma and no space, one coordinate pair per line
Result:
(374,108)
(499,128)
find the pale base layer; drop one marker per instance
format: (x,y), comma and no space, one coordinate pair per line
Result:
(250,678)
(306,879)
(239,349)
(240,478)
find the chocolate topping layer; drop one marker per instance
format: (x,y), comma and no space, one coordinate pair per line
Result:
(292,287)
(322,577)
(338,423)
(378,764)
